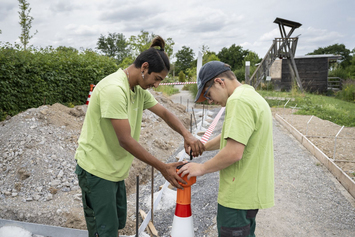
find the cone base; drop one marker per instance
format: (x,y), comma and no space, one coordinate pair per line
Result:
(182,227)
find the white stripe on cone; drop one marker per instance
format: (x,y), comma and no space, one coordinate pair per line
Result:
(182,227)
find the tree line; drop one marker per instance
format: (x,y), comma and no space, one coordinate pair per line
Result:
(124,50)
(31,77)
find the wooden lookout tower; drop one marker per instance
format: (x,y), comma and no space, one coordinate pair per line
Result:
(283,48)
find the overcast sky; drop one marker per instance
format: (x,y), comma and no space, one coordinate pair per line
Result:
(192,23)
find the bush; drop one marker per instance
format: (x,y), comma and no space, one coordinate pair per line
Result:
(268,86)
(31,78)
(240,74)
(348,91)
(339,72)
(181,76)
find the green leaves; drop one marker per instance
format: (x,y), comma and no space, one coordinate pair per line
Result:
(184,59)
(25,22)
(114,45)
(63,75)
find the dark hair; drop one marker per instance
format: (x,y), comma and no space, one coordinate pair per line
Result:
(157,58)
(227,74)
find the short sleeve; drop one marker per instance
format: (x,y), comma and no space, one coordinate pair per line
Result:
(240,121)
(149,100)
(113,102)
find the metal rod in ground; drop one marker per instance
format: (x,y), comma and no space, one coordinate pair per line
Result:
(307,125)
(152,201)
(191,133)
(193,112)
(335,142)
(137,205)
(203,115)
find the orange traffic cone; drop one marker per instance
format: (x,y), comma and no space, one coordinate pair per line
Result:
(183,225)
(91,88)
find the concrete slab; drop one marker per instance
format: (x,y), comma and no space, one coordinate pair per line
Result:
(46,230)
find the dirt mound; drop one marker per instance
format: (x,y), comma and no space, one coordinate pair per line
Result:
(37,163)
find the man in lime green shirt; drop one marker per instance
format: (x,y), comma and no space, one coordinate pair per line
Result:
(110,139)
(245,159)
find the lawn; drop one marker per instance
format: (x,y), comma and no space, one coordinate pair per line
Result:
(324,107)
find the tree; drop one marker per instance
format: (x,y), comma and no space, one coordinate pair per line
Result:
(191,73)
(114,45)
(25,22)
(350,70)
(337,49)
(253,58)
(143,41)
(169,45)
(233,56)
(184,59)
(209,56)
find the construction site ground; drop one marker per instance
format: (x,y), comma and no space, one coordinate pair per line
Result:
(37,149)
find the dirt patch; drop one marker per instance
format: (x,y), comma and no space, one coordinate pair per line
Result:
(37,163)
(336,142)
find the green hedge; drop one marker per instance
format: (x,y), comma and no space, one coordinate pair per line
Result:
(29,79)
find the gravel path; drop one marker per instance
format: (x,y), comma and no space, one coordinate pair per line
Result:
(309,200)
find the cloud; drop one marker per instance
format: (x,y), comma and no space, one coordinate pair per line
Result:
(270,36)
(193,23)
(312,38)
(129,12)
(7,9)
(83,30)
(62,6)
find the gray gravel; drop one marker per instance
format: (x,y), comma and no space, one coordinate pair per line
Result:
(203,196)
(309,200)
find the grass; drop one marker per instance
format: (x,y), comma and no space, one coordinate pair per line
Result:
(324,107)
(167,90)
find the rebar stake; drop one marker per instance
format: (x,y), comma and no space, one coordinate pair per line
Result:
(152,201)
(137,205)
(335,141)
(307,125)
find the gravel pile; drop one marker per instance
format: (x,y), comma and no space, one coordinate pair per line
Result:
(36,160)
(37,147)
(33,166)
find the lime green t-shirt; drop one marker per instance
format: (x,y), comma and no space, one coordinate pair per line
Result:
(249,182)
(99,151)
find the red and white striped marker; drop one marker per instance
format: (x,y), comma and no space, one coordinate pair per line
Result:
(91,89)
(177,83)
(183,225)
(210,129)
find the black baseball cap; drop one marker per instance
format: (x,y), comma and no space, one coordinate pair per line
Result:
(207,72)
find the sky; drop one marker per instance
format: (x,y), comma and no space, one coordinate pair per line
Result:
(191,23)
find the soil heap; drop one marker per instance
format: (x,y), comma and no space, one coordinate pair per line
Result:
(37,147)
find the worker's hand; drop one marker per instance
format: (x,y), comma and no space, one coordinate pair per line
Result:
(192,143)
(191,170)
(169,173)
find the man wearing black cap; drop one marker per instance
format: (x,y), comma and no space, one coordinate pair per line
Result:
(245,159)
